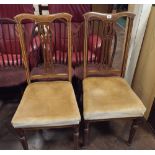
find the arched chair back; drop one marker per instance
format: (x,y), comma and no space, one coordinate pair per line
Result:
(50,62)
(107,56)
(77,11)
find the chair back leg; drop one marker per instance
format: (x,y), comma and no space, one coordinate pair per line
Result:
(22,138)
(86,133)
(76,137)
(135,124)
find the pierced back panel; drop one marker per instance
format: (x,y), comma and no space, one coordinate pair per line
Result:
(106,43)
(53,35)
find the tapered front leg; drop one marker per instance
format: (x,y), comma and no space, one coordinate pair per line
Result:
(135,124)
(22,138)
(86,133)
(76,137)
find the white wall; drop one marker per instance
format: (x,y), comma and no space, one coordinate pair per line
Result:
(36,7)
(142,12)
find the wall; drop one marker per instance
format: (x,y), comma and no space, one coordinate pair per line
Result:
(144,79)
(142,12)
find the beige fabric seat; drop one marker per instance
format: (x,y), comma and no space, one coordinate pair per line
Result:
(110,97)
(47,104)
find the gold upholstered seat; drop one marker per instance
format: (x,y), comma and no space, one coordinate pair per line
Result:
(110,97)
(47,104)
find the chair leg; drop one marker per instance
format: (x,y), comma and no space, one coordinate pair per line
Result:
(134,126)
(76,137)
(22,138)
(86,132)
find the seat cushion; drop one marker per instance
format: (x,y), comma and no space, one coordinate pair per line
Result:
(46,104)
(110,97)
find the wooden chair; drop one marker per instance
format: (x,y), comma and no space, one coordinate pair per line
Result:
(45,103)
(106,95)
(10,53)
(12,75)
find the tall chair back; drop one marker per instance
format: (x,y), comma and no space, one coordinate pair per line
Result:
(107,56)
(48,66)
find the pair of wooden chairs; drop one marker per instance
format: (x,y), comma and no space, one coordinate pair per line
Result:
(49,100)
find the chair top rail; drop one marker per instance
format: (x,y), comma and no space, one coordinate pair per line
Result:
(43,18)
(108,16)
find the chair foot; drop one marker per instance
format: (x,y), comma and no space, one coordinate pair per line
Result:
(76,137)
(22,138)
(86,133)
(135,124)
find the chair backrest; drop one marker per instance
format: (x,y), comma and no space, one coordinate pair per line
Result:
(44,27)
(107,56)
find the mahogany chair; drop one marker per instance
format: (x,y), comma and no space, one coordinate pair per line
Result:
(11,64)
(12,75)
(49,100)
(106,94)
(10,53)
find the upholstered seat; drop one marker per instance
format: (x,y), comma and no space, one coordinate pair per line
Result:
(47,104)
(110,97)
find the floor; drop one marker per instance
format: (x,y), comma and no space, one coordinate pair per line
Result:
(108,135)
